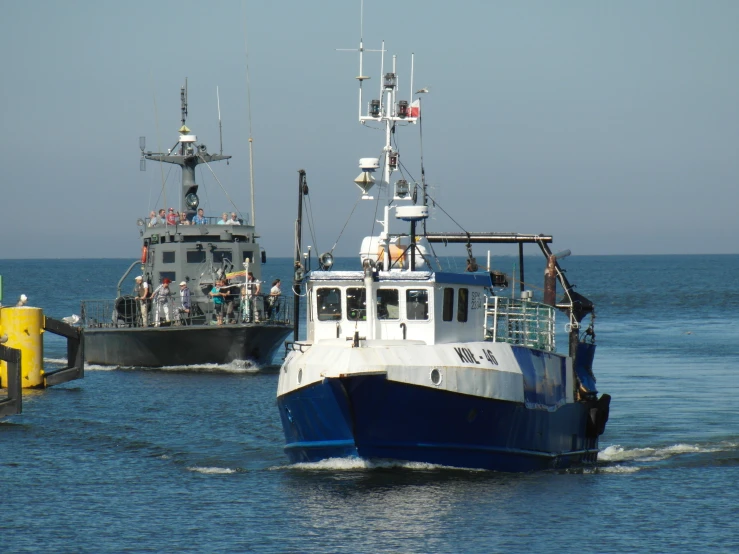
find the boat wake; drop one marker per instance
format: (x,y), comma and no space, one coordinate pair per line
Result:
(617,459)
(613,459)
(212,470)
(355,464)
(237,366)
(56,361)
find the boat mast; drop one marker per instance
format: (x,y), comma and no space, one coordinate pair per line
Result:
(251,139)
(388,111)
(188,155)
(299,269)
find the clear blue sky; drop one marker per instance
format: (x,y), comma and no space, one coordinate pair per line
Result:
(613,126)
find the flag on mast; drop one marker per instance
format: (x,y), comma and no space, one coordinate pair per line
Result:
(415,110)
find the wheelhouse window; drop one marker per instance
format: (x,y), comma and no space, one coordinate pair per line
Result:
(416,304)
(195,256)
(448,305)
(328,304)
(167,257)
(388,304)
(356,304)
(462,298)
(167,275)
(220,255)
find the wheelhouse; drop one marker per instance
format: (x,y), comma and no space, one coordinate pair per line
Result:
(425,306)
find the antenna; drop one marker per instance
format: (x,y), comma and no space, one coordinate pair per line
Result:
(413,56)
(251,139)
(220,128)
(361,77)
(420,133)
(183,102)
(142,146)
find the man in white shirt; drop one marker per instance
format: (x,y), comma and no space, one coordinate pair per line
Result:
(142,295)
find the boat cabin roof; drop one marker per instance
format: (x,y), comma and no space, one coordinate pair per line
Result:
(395,277)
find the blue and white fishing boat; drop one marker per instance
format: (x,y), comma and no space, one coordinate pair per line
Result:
(406,362)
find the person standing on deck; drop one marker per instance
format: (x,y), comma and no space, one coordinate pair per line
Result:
(218,304)
(184,309)
(142,295)
(199,218)
(162,297)
(250,299)
(273,306)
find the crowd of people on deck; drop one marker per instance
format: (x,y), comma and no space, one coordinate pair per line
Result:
(173,217)
(233,303)
(252,305)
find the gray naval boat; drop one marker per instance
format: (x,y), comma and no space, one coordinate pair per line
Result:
(118,332)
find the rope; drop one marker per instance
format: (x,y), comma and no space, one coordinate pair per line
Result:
(311,226)
(219,182)
(345,224)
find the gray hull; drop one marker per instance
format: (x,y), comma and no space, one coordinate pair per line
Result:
(184,345)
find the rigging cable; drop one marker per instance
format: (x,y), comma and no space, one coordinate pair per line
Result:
(345,224)
(160,191)
(222,187)
(311,225)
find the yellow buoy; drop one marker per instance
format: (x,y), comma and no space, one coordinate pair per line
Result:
(24,327)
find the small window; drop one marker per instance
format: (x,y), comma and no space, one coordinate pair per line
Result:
(195,256)
(167,257)
(462,297)
(220,255)
(356,304)
(417,304)
(388,306)
(448,307)
(167,275)
(248,255)
(328,304)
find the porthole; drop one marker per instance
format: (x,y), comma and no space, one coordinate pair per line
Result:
(300,376)
(436,377)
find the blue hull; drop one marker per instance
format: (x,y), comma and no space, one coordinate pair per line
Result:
(371,417)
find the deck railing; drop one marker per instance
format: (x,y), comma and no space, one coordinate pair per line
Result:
(520,321)
(125,311)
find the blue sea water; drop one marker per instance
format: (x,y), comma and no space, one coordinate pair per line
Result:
(190,459)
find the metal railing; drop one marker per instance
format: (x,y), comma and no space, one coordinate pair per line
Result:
(519,321)
(210,220)
(126,311)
